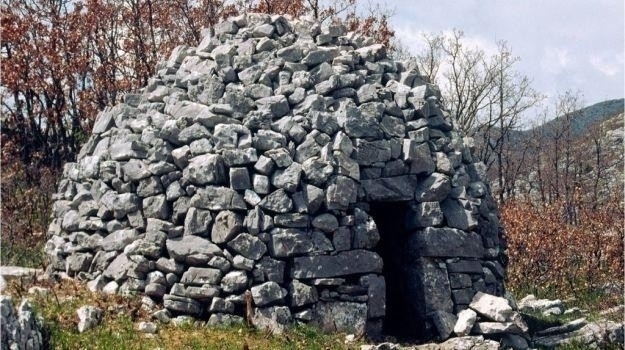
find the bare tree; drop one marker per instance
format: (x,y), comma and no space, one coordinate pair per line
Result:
(430,59)
(511,96)
(486,97)
(567,109)
(596,133)
(468,81)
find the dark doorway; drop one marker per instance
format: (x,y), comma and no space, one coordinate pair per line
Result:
(402,319)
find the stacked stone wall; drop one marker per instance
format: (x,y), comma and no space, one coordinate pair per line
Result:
(249,163)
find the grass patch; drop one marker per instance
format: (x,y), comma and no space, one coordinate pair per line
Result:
(122,314)
(14,253)
(577,345)
(537,322)
(591,300)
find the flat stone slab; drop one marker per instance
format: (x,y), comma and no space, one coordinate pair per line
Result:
(447,242)
(344,263)
(400,188)
(18,271)
(492,307)
(12,273)
(340,317)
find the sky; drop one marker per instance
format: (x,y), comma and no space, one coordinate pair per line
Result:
(562,44)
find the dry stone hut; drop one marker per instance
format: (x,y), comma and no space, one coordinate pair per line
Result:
(293,160)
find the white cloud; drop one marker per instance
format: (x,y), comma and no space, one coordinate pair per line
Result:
(413,40)
(476,41)
(572,44)
(556,59)
(410,38)
(608,65)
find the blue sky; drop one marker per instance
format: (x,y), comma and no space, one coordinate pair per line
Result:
(572,44)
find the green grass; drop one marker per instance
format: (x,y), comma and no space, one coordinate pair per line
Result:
(121,314)
(576,345)
(16,254)
(585,298)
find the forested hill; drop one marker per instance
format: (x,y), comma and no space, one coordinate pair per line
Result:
(588,116)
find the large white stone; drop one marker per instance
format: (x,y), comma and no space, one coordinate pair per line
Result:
(492,307)
(465,322)
(88,317)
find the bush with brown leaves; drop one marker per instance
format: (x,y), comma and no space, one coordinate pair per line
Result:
(551,255)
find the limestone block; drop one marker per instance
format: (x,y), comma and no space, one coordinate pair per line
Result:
(428,284)
(444,323)
(398,188)
(424,214)
(182,304)
(340,317)
(221,305)
(302,294)
(234,281)
(341,192)
(446,242)
(465,322)
(268,292)
(199,276)
(128,150)
(457,216)
(342,264)
(249,246)
(272,319)
(289,242)
(205,169)
(434,188)
(217,198)
(370,152)
(316,171)
(492,307)
(376,292)
(88,317)
(326,222)
(288,178)
(277,201)
(227,225)
(197,222)
(180,248)
(357,124)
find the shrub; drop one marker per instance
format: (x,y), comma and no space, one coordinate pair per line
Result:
(550,254)
(26,204)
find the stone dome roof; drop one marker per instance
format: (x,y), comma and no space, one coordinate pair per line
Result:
(267,159)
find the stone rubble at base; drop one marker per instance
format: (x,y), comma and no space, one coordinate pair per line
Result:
(475,327)
(493,322)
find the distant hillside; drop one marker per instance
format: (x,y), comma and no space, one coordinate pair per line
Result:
(596,154)
(590,115)
(582,120)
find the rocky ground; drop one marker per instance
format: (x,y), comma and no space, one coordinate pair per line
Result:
(489,323)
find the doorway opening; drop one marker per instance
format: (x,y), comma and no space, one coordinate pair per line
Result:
(403,312)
